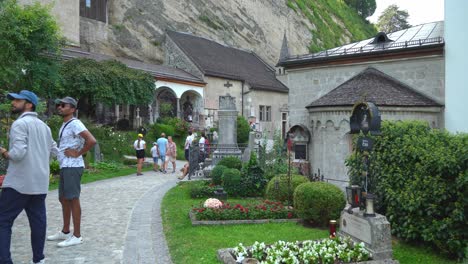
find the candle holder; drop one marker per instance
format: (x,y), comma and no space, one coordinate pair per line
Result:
(353,195)
(370,198)
(332,228)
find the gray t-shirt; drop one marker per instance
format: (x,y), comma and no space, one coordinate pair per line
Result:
(71,140)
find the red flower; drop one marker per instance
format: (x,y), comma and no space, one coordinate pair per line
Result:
(290,215)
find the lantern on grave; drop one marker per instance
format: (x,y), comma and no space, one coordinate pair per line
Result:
(353,195)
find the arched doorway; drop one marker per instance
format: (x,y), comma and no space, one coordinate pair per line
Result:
(165,103)
(192,108)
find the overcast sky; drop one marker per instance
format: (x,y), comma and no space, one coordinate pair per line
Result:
(420,11)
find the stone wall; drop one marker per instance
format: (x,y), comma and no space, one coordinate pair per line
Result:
(425,75)
(331,142)
(175,57)
(67,14)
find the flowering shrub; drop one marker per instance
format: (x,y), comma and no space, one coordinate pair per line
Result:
(323,252)
(212,203)
(263,210)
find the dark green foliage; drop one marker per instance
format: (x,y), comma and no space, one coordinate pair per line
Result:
(181,127)
(155,131)
(278,190)
(393,19)
(109,82)
(231,162)
(201,189)
(27,34)
(421,177)
(365,8)
(318,202)
(217,174)
(243,130)
(336,23)
(54,167)
(129,162)
(232,181)
(253,181)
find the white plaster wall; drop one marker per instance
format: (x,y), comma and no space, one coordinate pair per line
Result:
(179,88)
(278,103)
(215,88)
(67,14)
(456,64)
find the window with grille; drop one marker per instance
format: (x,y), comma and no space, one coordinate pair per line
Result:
(265,113)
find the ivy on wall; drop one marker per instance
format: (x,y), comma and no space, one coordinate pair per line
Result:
(109,82)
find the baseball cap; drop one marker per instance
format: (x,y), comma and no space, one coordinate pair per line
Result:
(24,95)
(155,143)
(67,100)
(140,135)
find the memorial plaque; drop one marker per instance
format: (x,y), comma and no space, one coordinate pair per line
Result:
(356,227)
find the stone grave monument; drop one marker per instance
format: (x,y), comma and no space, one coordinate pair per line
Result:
(227,126)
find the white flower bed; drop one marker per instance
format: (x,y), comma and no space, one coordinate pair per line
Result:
(309,251)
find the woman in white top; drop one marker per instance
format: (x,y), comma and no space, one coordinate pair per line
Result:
(140,146)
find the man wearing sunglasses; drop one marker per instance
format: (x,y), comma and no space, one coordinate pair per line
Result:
(74,140)
(27,180)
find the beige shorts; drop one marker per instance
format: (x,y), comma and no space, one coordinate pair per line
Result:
(171,159)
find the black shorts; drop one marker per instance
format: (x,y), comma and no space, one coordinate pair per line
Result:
(187,154)
(140,154)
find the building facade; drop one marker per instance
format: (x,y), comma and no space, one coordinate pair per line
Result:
(402,73)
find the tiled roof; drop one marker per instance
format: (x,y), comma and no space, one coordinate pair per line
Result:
(417,37)
(374,86)
(153,69)
(215,59)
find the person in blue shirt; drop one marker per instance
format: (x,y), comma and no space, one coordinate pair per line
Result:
(162,149)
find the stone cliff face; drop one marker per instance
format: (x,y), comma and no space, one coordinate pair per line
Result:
(136,28)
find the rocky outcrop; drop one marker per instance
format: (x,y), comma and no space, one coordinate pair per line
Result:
(136,28)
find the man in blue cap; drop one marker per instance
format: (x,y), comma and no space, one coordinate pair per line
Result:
(27,180)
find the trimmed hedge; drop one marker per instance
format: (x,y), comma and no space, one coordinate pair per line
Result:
(421,177)
(231,162)
(281,194)
(217,174)
(319,202)
(231,181)
(253,181)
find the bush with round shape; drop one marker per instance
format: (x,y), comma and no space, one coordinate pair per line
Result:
(232,181)
(217,174)
(282,193)
(231,162)
(318,202)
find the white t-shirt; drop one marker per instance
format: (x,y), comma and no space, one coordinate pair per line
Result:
(154,151)
(71,140)
(142,144)
(188,141)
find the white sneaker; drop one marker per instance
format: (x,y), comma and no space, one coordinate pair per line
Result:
(40,262)
(59,236)
(71,241)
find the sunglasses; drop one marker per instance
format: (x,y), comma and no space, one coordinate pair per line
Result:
(62,105)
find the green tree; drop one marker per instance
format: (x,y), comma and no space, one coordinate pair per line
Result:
(243,130)
(29,41)
(393,19)
(108,82)
(365,8)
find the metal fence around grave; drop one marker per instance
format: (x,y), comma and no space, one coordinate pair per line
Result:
(198,154)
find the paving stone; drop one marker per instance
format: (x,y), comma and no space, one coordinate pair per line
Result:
(119,216)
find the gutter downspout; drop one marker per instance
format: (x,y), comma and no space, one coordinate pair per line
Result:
(242,98)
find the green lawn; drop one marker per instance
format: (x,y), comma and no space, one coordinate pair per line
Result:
(198,244)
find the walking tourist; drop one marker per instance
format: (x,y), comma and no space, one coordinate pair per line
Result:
(171,153)
(139,145)
(162,149)
(154,153)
